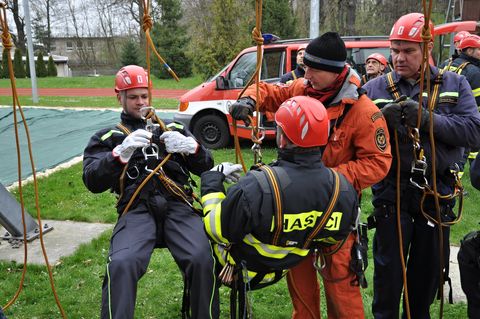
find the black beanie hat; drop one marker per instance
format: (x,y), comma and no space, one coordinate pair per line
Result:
(326,52)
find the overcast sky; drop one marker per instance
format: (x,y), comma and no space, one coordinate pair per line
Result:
(86,15)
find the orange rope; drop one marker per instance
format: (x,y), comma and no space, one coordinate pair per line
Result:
(427,38)
(147,24)
(257,37)
(7,44)
(399,230)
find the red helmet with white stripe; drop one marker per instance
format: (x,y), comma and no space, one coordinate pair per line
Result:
(304,121)
(409,28)
(131,77)
(470,41)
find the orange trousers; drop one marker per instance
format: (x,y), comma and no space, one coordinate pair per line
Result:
(343,300)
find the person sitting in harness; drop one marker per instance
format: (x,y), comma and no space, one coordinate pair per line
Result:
(278,214)
(147,163)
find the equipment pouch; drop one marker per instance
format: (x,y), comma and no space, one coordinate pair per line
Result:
(359,261)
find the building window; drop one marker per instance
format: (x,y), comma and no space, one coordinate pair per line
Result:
(69,46)
(90,44)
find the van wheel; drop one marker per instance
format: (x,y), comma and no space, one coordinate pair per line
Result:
(212,131)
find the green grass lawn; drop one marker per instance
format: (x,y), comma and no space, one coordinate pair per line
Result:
(78,278)
(93,82)
(105,81)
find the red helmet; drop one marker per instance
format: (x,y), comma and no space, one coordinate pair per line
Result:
(409,28)
(304,121)
(377,56)
(470,41)
(460,35)
(131,77)
(302,47)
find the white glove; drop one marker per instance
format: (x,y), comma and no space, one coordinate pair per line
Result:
(230,170)
(136,139)
(176,142)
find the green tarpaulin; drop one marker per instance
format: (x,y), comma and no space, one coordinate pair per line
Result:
(57,135)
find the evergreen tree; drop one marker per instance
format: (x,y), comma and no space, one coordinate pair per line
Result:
(18,68)
(278,18)
(130,53)
(27,65)
(51,68)
(171,41)
(40,67)
(5,74)
(228,32)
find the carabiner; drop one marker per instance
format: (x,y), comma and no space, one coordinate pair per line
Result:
(143,113)
(150,151)
(318,260)
(418,169)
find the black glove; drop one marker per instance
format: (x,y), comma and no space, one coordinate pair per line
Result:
(393,114)
(410,111)
(241,109)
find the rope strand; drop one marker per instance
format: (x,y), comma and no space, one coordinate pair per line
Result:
(7,44)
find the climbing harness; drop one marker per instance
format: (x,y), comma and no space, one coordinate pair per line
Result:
(419,165)
(152,157)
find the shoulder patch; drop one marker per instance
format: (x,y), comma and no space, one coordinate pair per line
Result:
(380,139)
(376,116)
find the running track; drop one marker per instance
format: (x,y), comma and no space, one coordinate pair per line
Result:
(171,94)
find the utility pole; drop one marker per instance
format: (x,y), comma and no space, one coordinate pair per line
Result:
(314,18)
(31,57)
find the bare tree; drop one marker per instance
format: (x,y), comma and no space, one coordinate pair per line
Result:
(19,39)
(84,51)
(45,9)
(134,8)
(106,13)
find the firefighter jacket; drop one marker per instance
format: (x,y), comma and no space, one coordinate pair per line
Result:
(470,68)
(299,72)
(456,125)
(447,62)
(102,171)
(358,144)
(475,172)
(246,215)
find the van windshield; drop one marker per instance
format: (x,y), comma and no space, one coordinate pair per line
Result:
(218,74)
(356,57)
(272,68)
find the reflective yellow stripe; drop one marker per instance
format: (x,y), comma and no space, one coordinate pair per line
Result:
(213,224)
(454,94)
(176,125)
(472,155)
(266,279)
(382,101)
(272,251)
(209,201)
(328,240)
(108,134)
(476,92)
